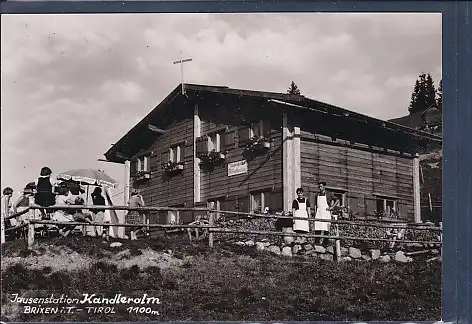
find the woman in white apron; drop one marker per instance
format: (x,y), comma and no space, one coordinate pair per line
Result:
(323,210)
(301,208)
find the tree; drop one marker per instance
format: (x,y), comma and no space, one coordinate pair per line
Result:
(424,94)
(439,93)
(430,91)
(293,89)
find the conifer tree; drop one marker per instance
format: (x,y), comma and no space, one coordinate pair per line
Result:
(293,89)
(439,93)
(424,94)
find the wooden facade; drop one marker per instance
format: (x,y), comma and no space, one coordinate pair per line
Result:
(369,163)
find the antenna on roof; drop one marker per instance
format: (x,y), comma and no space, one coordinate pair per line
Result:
(181,62)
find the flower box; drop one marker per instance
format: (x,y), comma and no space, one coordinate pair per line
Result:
(170,166)
(257,145)
(210,160)
(142,175)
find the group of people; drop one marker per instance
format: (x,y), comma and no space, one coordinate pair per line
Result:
(44,193)
(324,201)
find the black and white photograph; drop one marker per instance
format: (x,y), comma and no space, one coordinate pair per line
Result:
(221,167)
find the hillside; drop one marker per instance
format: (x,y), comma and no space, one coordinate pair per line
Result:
(225,283)
(431,185)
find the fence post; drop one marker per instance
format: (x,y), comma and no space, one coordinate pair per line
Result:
(441,236)
(338,241)
(30,234)
(210,233)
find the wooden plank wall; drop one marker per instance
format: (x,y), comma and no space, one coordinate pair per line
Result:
(264,171)
(162,190)
(361,173)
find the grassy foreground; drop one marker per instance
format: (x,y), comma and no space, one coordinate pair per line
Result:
(230,283)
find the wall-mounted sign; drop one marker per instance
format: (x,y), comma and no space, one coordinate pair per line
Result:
(235,168)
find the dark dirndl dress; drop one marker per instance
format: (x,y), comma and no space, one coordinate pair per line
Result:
(44,196)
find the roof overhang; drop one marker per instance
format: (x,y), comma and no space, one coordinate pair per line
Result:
(122,150)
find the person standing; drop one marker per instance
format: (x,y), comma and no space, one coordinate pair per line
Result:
(301,208)
(44,191)
(5,205)
(25,200)
(325,202)
(133,216)
(98,214)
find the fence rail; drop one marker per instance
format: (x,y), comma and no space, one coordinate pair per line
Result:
(213,227)
(366,223)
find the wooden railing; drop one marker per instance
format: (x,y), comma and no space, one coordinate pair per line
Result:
(213,227)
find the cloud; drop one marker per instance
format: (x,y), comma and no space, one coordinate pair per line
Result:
(74,84)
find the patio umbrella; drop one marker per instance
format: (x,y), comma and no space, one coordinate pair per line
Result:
(89,177)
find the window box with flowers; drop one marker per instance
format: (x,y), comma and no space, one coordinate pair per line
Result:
(172,167)
(211,160)
(142,175)
(257,145)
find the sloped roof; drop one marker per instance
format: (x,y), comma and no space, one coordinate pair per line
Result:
(292,101)
(415,120)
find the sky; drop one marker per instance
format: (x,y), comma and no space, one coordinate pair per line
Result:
(72,85)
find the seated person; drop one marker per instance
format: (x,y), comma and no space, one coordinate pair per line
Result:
(79,215)
(69,215)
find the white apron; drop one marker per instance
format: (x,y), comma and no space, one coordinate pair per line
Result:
(322,213)
(301,224)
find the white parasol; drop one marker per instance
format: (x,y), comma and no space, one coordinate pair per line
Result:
(89,177)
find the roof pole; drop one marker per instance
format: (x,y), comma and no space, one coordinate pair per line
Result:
(181,62)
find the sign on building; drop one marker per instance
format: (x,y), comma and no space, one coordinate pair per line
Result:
(238,167)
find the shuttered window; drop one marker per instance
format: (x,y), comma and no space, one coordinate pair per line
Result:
(274,200)
(244,135)
(165,157)
(133,167)
(153,161)
(229,140)
(266,128)
(243,204)
(201,145)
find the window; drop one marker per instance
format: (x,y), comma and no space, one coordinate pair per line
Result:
(143,163)
(173,217)
(386,206)
(257,202)
(260,200)
(214,142)
(256,129)
(175,154)
(341,195)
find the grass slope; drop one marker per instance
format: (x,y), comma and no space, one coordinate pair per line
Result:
(232,283)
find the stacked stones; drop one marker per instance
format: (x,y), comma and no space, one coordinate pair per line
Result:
(300,247)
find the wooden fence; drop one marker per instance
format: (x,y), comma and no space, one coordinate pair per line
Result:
(213,227)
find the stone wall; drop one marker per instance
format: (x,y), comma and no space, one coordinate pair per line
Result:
(350,249)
